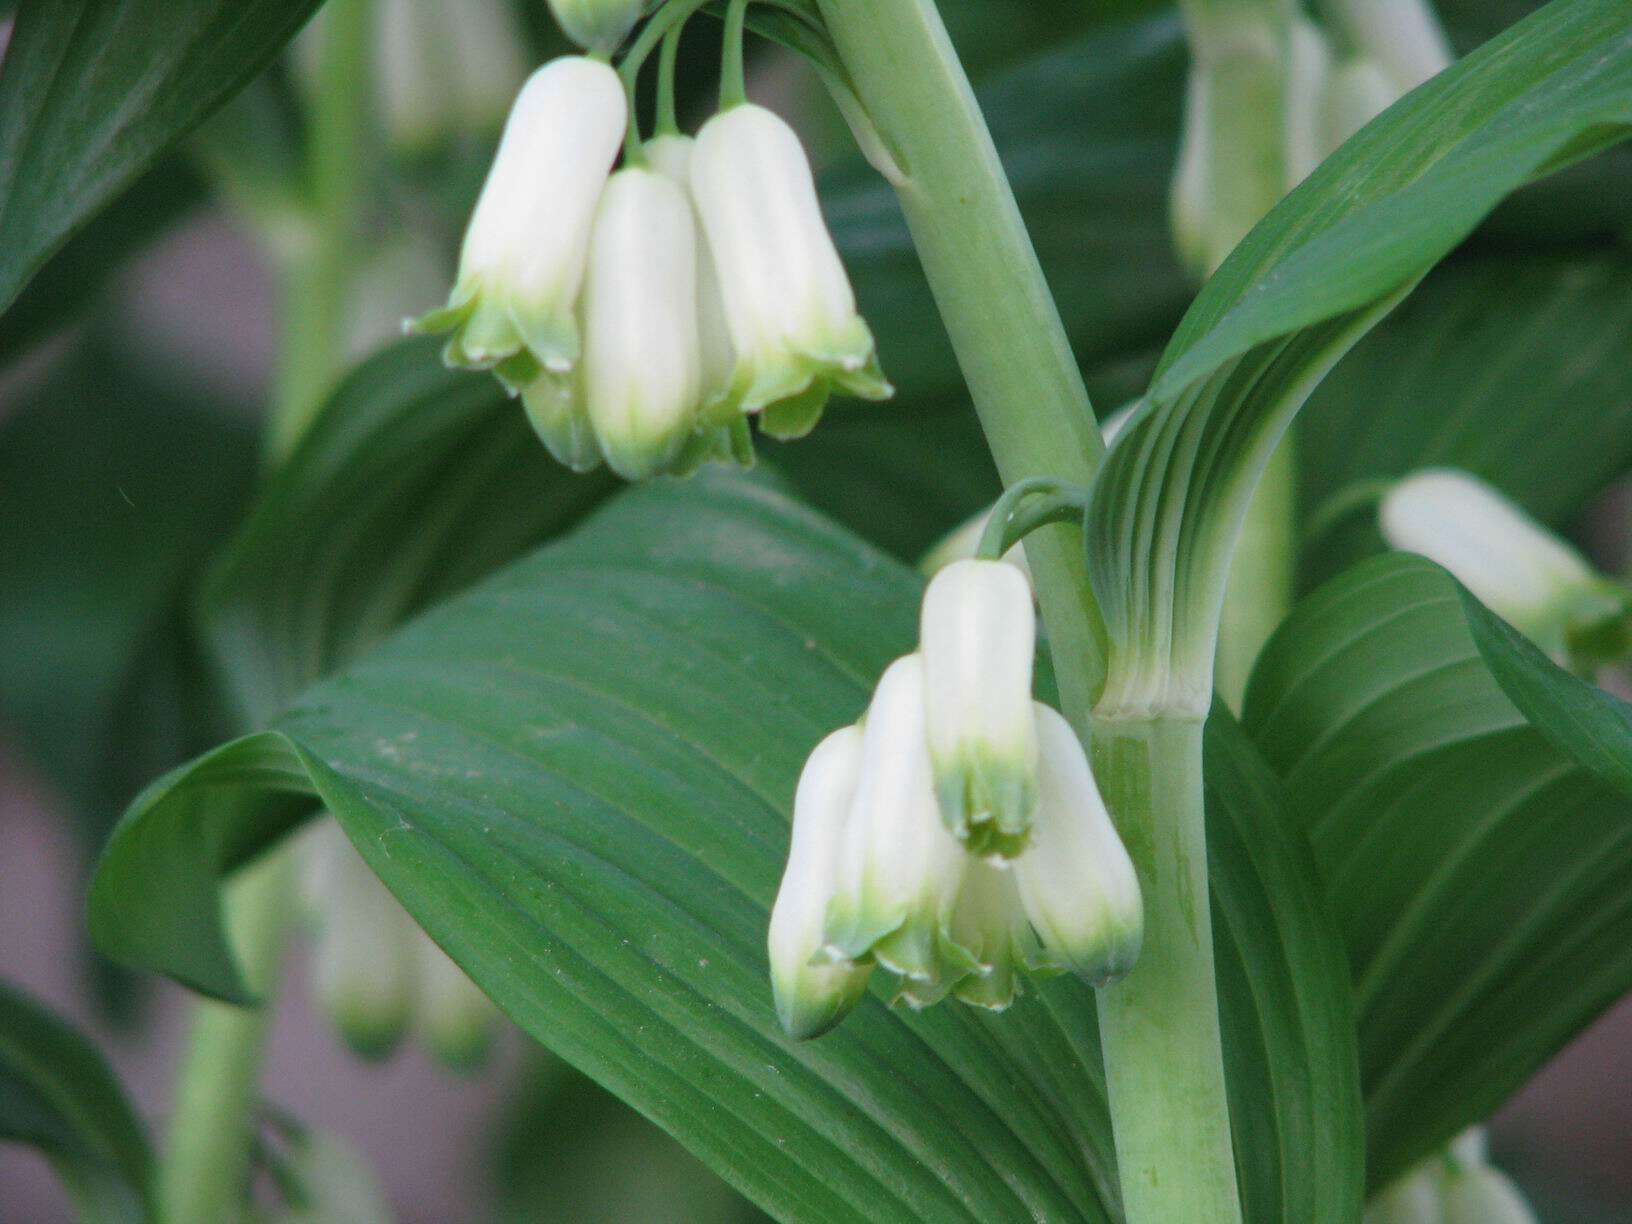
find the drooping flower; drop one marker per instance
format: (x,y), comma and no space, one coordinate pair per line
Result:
(1403,37)
(1309,70)
(789,307)
(642,365)
(899,869)
(1456,1186)
(990,922)
(1357,92)
(1514,566)
(512,309)
(1076,882)
(812,998)
(978,640)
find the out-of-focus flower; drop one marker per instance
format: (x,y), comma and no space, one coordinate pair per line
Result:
(597,25)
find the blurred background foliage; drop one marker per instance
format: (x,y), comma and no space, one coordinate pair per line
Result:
(133,369)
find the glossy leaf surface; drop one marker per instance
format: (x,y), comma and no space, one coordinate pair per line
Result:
(1470,809)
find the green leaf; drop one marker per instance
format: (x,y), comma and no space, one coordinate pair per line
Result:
(1468,806)
(576,776)
(1533,398)
(59,1095)
(412,482)
(94,93)
(1301,289)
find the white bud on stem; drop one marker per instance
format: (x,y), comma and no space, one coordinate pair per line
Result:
(1076,882)
(642,368)
(978,634)
(812,998)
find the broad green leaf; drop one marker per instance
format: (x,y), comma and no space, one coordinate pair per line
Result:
(58,1094)
(1535,398)
(1318,272)
(93,93)
(576,776)
(1470,809)
(412,482)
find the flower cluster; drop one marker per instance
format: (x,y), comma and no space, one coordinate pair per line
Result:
(1514,566)
(644,315)
(956,836)
(1459,1186)
(377,974)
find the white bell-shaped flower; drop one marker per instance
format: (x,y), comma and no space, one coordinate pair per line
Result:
(899,869)
(597,25)
(1357,92)
(1403,37)
(1480,1194)
(978,640)
(812,998)
(522,264)
(1076,882)
(1514,566)
(451,1014)
(364,954)
(788,303)
(1412,1199)
(642,366)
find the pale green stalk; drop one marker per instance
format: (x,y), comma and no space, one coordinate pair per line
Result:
(991,293)
(1163,1053)
(1159,1028)
(204,1174)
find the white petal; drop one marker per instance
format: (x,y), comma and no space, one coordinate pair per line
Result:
(1513,566)
(899,869)
(454,1016)
(1309,68)
(1357,93)
(1413,1199)
(1076,880)
(978,640)
(641,358)
(364,956)
(1483,1195)
(810,998)
(1403,36)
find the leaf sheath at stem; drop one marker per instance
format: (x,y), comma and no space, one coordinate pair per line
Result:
(1159,1026)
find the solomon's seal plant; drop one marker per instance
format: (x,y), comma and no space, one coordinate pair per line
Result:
(1219,824)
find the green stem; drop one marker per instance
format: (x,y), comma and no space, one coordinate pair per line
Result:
(1026,507)
(1159,1027)
(668,121)
(733,77)
(990,289)
(205,1172)
(315,277)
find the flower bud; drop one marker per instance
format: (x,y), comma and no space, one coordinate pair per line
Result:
(364,965)
(1076,881)
(512,306)
(1402,36)
(1479,1194)
(812,998)
(1412,1199)
(788,304)
(597,25)
(1356,94)
(642,375)
(1515,567)
(978,635)
(899,869)
(453,1016)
